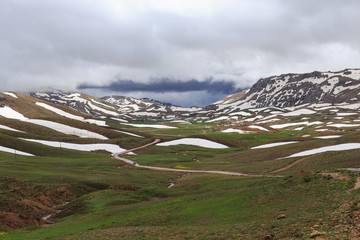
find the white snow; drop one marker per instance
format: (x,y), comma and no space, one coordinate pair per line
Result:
(242,113)
(119,119)
(218,119)
(233,130)
(8,112)
(152,114)
(341,125)
(9,128)
(128,133)
(11,150)
(149,125)
(94,107)
(298,112)
(112,148)
(306,135)
(273,145)
(71,116)
(12,114)
(67,129)
(258,127)
(328,137)
(338,147)
(322,130)
(279,126)
(194,142)
(102,104)
(315,123)
(59,111)
(345,114)
(101,123)
(10,94)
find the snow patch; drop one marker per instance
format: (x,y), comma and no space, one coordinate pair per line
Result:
(273,144)
(10,94)
(112,148)
(11,150)
(339,147)
(194,142)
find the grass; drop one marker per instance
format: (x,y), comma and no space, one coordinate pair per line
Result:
(111,200)
(251,205)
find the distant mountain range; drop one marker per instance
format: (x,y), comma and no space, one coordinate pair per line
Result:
(286,90)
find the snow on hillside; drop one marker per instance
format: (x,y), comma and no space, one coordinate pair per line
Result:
(14,151)
(10,94)
(339,147)
(59,111)
(8,112)
(273,145)
(194,142)
(112,148)
(9,128)
(149,125)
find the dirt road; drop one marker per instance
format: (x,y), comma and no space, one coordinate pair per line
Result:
(117,157)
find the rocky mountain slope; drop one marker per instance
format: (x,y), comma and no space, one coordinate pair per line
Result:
(287,90)
(127,108)
(292,90)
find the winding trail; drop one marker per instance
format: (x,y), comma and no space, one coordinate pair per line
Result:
(117,157)
(289,165)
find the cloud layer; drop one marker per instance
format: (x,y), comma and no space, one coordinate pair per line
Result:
(65,44)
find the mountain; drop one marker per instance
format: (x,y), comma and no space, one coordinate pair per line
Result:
(291,89)
(286,90)
(128,108)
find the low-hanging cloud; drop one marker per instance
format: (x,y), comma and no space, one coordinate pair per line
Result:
(167,85)
(65,43)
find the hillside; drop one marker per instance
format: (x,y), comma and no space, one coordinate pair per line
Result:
(230,171)
(289,90)
(126,108)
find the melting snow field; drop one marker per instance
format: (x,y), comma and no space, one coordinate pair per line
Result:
(339,147)
(119,119)
(273,145)
(233,130)
(12,114)
(341,125)
(298,112)
(128,133)
(71,116)
(258,127)
(279,126)
(59,111)
(194,142)
(11,150)
(328,137)
(112,148)
(9,128)
(148,125)
(10,94)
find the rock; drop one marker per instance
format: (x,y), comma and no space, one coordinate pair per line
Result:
(269,237)
(281,216)
(315,234)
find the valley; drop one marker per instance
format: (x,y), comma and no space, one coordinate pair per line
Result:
(78,167)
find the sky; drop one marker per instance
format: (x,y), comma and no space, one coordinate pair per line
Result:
(178,51)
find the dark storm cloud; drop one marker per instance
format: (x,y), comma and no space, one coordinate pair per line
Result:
(167,85)
(63,43)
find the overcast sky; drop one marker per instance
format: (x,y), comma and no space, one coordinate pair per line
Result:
(180,51)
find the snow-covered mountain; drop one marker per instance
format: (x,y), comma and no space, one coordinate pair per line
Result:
(289,90)
(117,106)
(276,92)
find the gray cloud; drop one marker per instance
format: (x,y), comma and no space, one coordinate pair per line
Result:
(65,43)
(168,85)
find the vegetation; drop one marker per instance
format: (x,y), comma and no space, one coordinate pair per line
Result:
(89,195)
